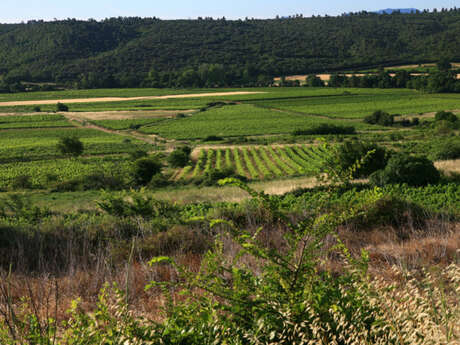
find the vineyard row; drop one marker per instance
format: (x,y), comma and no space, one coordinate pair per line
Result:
(259,163)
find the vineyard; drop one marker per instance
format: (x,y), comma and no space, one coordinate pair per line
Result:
(241,120)
(44,173)
(35,144)
(256,163)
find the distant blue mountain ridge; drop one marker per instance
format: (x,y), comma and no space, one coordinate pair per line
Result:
(402,10)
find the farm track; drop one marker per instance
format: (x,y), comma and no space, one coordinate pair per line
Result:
(153,140)
(124,99)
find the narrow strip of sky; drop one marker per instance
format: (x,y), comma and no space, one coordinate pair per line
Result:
(14,11)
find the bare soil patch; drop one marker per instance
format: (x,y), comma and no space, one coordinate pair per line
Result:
(122,99)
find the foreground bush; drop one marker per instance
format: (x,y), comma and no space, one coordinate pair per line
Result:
(180,157)
(444,150)
(356,158)
(145,169)
(262,295)
(402,168)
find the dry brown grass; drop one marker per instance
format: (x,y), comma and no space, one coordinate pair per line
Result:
(449,166)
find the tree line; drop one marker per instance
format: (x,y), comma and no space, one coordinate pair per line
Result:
(149,52)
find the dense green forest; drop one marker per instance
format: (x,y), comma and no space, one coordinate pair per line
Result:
(127,52)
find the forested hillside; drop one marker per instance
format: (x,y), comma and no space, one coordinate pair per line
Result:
(153,52)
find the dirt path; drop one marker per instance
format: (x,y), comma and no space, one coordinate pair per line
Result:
(134,135)
(121,99)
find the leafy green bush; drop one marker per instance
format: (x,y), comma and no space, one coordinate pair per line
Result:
(180,157)
(145,169)
(392,211)
(61,107)
(21,182)
(380,117)
(402,168)
(370,158)
(447,149)
(135,155)
(70,146)
(324,129)
(213,138)
(94,181)
(445,116)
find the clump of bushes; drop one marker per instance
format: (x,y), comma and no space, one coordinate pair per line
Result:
(213,138)
(371,157)
(21,182)
(445,116)
(145,168)
(447,149)
(61,107)
(380,117)
(70,146)
(94,181)
(180,157)
(213,176)
(389,211)
(403,168)
(324,129)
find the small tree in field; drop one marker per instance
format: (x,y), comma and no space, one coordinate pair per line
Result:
(145,169)
(62,107)
(70,146)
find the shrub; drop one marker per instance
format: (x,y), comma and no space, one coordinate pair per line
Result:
(145,169)
(213,138)
(94,181)
(449,149)
(390,211)
(158,180)
(346,156)
(138,154)
(37,109)
(70,146)
(180,157)
(61,107)
(325,128)
(380,117)
(445,116)
(21,182)
(402,168)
